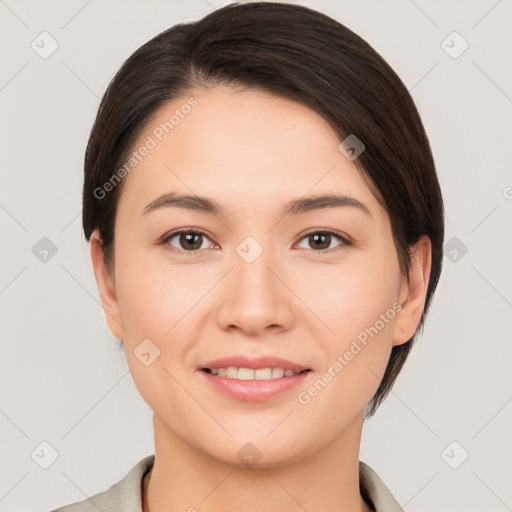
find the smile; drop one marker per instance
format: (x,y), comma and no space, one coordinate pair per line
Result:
(241,373)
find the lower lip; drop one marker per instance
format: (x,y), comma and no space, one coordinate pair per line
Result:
(254,390)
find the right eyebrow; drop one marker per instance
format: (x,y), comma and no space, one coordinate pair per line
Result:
(188,202)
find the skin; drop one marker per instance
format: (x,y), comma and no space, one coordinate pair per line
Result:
(252,152)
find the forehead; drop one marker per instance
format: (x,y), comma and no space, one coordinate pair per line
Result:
(247,148)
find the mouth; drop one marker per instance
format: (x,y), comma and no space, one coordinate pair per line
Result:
(241,373)
(253,379)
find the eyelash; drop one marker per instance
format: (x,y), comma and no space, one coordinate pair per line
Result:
(165,240)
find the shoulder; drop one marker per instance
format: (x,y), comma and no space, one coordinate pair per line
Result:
(374,490)
(123,496)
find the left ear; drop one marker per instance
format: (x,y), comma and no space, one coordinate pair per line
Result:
(413,291)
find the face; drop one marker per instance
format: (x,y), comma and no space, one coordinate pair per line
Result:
(276,278)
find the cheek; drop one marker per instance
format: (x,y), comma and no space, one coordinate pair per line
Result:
(153,312)
(352,297)
(358,305)
(355,360)
(153,294)
(158,301)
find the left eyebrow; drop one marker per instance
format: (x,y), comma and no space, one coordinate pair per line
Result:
(294,207)
(309,203)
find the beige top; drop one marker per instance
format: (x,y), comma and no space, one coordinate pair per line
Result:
(126,495)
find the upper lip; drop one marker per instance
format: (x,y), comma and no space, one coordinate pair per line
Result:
(243,361)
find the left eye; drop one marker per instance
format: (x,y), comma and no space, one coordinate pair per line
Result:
(321,240)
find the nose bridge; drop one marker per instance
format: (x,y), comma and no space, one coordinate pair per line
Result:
(252,274)
(255,299)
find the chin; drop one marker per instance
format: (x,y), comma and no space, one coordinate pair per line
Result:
(258,453)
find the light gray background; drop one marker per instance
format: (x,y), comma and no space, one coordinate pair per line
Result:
(64,381)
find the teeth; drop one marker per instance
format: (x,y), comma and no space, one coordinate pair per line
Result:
(245,374)
(277,373)
(261,373)
(232,372)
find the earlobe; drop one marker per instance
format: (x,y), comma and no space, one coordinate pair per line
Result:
(414,291)
(106,286)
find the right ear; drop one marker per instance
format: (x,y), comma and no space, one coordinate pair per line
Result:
(106,286)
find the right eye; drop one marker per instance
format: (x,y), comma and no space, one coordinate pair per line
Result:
(186,241)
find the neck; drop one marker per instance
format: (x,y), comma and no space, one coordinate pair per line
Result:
(184,478)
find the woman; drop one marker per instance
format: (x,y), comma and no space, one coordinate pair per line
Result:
(266,228)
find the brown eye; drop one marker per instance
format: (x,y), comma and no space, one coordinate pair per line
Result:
(322,240)
(187,241)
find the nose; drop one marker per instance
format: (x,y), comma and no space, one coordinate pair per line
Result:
(255,298)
